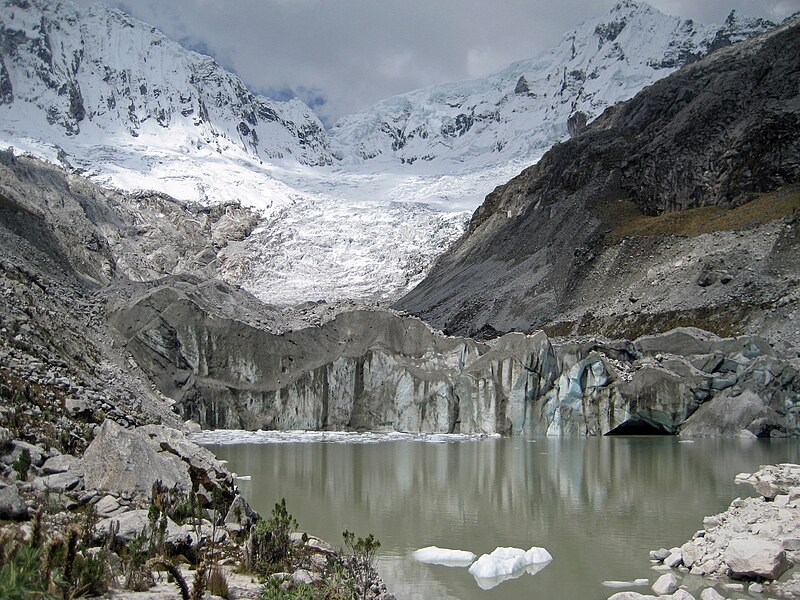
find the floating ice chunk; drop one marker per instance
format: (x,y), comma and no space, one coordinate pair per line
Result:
(507,563)
(625,584)
(444,556)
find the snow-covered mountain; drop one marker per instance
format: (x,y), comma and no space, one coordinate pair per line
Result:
(358,212)
(531,104)
(98,73)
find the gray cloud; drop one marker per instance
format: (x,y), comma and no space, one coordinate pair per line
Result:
(344,55)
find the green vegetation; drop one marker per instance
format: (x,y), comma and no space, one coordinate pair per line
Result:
(362,559)
(626,220)
(22,465)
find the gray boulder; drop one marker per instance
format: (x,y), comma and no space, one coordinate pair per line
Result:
(752,557)
(58,482)
(12,506)
(5,438)
(666,584)
(130,524)
(240,513)
(711,594)
(127,462)
(61,463)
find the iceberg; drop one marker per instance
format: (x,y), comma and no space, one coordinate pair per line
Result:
(502,564)
(444,556)
(625,584)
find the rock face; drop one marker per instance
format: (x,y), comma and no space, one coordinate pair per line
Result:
(644,221)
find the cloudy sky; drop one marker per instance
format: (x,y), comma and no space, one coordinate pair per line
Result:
(341,56)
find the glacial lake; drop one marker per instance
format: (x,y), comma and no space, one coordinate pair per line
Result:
(598,505)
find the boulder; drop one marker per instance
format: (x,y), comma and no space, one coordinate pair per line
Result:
(108,506)
(132,523)
(751,557)
(12,506)
(58,482)
(61,463)
(666,584)
(205,471)
(5,438)
(631,596)
(711,594)
(127,462)
(240,513)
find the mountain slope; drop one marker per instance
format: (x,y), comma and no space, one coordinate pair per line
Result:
(531,104)
(99,73)
(674,208)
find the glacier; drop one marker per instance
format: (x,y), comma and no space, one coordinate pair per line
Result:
(358,212)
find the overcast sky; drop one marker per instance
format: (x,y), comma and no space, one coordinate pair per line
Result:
(341,56)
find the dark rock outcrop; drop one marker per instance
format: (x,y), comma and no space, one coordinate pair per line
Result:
(602,235)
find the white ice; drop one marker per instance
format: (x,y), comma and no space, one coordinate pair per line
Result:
(225,437)
(503,564)
(626,584)
(444,556)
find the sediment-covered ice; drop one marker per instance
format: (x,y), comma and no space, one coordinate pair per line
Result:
(503,562)
(444,556)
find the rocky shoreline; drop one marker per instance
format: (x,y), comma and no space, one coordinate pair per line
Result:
(143,499)
(750,547)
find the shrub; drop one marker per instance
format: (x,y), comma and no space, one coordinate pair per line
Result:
(22,464)
(362,558)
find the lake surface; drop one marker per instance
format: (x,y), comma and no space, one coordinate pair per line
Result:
(598,505)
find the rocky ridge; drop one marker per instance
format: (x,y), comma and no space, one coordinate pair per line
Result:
(677,207)
(99,71)
(525,108)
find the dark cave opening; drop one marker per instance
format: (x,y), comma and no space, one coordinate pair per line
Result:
(637,426)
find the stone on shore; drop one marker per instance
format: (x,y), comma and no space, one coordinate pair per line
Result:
(666,584)
(751,557)
(711,594)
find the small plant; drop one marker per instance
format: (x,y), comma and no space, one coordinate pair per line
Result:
(270,547)
(362,558)
(217,582)
(20,577)
(23,464)
(273,590)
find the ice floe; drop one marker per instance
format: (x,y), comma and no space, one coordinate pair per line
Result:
(490,570)
(626,584)
(235,436)
(444,556)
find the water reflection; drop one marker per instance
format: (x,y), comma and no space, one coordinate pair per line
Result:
(597,504)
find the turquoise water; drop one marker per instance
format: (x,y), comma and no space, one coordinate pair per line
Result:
(598,505)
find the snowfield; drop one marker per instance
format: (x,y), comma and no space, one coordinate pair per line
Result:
(358,212)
